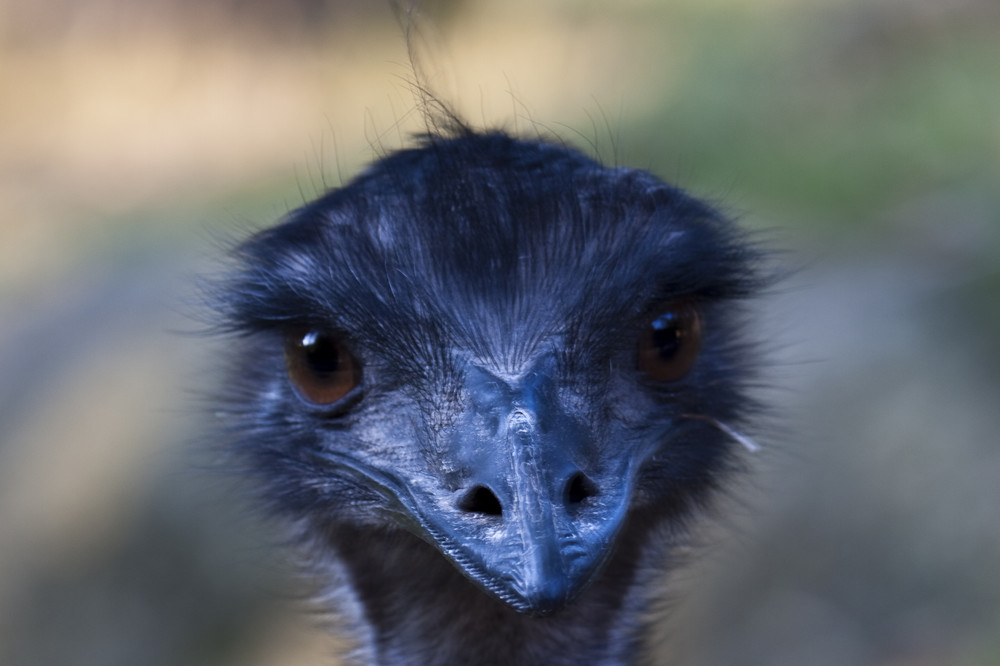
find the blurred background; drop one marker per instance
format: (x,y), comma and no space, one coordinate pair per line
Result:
(862,137)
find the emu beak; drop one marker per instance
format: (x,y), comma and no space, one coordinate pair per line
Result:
(538,514)
(539,510)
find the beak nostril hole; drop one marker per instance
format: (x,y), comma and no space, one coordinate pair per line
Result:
(579,488)
(481,500)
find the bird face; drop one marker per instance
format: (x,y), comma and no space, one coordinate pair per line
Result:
(503,347)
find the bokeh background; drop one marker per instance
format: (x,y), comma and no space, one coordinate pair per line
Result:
(861,137)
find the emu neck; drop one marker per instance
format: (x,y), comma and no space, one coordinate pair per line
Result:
(418,609)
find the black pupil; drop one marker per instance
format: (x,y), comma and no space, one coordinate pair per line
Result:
(322,354)
(668,334)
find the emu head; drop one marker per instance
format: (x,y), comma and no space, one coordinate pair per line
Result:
(501,346)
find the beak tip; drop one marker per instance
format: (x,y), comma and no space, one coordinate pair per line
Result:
(548,596)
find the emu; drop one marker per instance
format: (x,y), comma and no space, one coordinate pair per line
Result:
(485,385)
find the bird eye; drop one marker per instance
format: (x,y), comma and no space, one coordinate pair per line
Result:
(321,367)
(670,343)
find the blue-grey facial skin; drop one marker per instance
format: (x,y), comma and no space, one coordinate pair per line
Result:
(503,422)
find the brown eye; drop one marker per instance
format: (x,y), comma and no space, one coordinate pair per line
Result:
(669,345)
(321,368)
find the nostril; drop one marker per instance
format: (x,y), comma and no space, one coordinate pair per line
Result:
(579,488)
(481,500)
